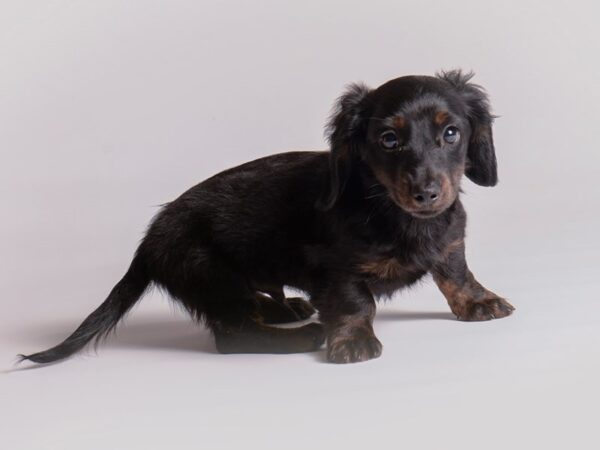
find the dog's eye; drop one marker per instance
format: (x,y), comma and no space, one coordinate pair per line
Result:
(451,135)
(389,140)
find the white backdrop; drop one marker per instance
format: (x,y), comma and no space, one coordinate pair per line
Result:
(108,109)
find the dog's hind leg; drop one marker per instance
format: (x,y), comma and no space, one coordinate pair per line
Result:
(231,311)
(220,295)
(255,337)
(274,309)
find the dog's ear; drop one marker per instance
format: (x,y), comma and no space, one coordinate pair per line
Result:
(481,155)
(345,131)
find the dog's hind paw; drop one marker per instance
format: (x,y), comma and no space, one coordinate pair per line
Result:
(301,307)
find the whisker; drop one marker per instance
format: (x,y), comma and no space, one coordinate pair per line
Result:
(379,194)
(377,206)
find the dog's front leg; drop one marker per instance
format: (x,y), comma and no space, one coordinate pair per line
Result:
(468,299)
(347,310)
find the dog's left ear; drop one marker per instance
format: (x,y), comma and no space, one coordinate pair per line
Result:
(481,156)
(345,131)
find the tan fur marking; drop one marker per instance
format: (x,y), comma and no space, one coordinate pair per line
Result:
(452,247)
(440,117)
(472,301)
(384,268)
(399,122)
(456,295)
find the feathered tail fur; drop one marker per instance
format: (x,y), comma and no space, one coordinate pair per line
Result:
(99,323)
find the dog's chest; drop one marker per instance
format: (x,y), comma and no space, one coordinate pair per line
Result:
(388,274)
(386,268)
(402,266)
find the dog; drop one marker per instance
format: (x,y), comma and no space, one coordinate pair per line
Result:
(372,215)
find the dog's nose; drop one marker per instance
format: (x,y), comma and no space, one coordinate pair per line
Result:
(426,195)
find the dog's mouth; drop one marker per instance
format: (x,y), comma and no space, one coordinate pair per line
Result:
(400,194)
(420,213)
(426,214)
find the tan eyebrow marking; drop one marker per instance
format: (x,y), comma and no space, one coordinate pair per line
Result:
(440,117)
(399,122)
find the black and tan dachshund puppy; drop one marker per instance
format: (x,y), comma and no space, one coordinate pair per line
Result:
(373,215)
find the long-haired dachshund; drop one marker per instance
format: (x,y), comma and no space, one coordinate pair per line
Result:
(373,215)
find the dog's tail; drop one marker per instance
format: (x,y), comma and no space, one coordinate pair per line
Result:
(99,323)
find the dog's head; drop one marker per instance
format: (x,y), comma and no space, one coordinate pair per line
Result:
(418,135)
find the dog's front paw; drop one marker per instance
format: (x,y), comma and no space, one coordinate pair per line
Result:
(353,348)
(488,309)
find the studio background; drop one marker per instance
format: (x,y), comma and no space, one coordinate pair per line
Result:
(109,109)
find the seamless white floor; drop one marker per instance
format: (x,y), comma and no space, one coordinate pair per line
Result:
(108,109)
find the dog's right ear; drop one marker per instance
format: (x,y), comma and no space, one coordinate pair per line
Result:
(345,131)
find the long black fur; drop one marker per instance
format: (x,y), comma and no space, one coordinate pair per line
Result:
(103,320)
(344,226)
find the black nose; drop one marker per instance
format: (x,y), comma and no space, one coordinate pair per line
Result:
(427,195)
